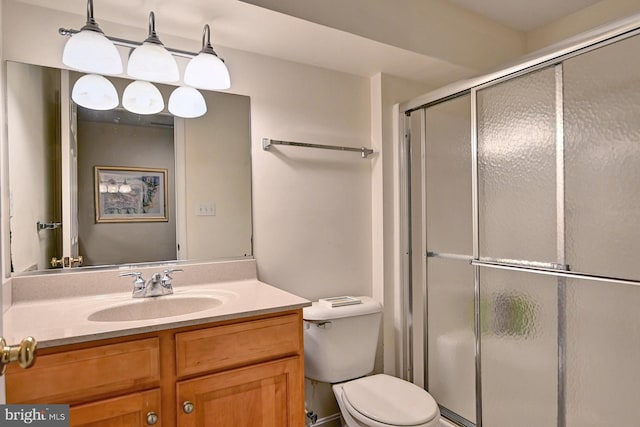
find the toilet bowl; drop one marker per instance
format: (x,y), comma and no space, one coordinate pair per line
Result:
(340,343)
(385,401)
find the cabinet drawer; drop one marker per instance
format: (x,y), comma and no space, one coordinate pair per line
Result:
(129,410)
(239,344)
(79,375)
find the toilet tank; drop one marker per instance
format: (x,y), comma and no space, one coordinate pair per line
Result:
(340,342)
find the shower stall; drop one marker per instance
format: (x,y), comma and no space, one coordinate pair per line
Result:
(522,266)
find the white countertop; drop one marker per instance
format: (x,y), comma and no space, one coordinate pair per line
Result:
(54,322)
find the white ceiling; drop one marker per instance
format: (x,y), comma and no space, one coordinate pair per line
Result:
(240,25)
(524,15)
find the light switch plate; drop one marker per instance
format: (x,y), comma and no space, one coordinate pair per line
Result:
(206,209)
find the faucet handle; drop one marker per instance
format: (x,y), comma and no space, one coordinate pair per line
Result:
(166,278)
(138,284)
(170,271)
(138,275)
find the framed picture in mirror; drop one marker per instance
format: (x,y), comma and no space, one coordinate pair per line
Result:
(130,194)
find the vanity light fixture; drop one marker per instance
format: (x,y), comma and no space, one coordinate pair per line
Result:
(113,187)
(89,50)
(151,61)
(207,70)
(187,102)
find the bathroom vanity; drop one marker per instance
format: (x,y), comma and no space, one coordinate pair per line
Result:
(238,363)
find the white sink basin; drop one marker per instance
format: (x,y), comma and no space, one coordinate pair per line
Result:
(155,308)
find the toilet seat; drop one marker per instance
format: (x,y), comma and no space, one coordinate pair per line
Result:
(383,401)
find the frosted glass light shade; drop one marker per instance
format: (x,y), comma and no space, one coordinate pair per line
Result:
(207,71)
(187,102)
(124,188)
(91,52)
(112,187)
(142,98)
(152,62)
(94,92)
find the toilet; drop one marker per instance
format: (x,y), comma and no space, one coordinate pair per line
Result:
(340,342)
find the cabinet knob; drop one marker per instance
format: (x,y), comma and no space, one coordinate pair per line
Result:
(23,353)
(187,407)
(152,418)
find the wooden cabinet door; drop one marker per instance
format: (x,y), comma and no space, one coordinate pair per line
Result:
(125,411)
(264,395)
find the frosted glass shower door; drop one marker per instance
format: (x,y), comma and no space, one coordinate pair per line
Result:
(519,223)
(449,240)
(519,349)
(448,177)
(603,350)
(517,169)
(530,223)
(602,134)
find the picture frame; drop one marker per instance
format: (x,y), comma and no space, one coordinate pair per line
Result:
(130,194)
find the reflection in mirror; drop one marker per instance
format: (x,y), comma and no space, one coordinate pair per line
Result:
(119,139)
(55,147)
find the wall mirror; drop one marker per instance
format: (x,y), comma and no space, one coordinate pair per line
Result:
(70,168)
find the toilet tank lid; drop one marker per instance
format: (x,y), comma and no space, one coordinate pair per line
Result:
(319,311)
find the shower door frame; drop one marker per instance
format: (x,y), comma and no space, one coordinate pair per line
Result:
(414,247)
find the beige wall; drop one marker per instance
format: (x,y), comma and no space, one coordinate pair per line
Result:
(586,19)
(312,208)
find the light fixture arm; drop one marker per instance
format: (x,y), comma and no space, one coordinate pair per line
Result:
(153,36)
(206,42)
(91,24)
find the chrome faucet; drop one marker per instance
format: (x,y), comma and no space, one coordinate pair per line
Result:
(156,286)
